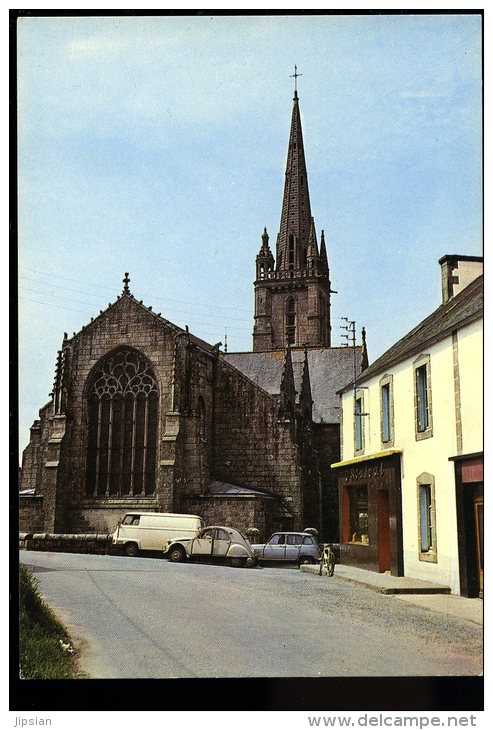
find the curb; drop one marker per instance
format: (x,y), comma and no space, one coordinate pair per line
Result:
(374,583)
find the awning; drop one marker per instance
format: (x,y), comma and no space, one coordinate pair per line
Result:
(369,457)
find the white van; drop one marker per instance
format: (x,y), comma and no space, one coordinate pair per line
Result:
(153,530)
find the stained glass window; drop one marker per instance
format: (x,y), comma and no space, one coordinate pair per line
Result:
(123,414)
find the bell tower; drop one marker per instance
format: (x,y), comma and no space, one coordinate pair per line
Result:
(292,293)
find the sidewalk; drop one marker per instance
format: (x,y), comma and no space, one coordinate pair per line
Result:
(421,593)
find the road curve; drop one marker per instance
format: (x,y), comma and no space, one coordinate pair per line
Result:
(145,617)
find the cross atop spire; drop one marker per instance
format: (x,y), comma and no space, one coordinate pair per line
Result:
(295,77)
(126,282)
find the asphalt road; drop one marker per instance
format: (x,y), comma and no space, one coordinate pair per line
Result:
(147,617)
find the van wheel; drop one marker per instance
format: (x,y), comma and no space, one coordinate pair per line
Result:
(131,549)
(177,554)
(305,561)
(237,562)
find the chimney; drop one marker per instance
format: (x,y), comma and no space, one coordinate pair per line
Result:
(458,272)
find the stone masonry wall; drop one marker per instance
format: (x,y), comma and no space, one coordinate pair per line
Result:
(326,438)
(239,512)
(126,323)
(31,517)
(252,447)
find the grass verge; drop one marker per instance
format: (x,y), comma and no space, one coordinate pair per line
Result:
(41,634)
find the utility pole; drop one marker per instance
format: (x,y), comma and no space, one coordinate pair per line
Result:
(350,337)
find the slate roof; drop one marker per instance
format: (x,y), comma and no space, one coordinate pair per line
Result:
(330,368)
(464,307)
(218,487)
(264,368)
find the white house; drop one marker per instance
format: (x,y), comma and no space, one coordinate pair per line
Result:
(411,471)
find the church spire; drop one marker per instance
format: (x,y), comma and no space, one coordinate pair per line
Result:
(294,233)
(292,294)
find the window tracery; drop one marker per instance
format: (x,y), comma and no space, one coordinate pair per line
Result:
(123,413)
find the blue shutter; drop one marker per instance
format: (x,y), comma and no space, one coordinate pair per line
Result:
(358,440)
(422,397)
(385,413)
(424,514)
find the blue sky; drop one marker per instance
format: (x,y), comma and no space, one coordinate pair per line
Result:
(157,145)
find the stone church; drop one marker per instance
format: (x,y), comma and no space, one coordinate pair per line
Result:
(146,416)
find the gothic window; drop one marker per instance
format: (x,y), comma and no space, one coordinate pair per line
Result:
(290,322)
(123,414)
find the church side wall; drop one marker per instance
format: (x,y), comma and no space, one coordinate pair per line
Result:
(326,437)
(193,449)
(252,448)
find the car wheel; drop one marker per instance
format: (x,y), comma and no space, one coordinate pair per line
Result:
(177,554)
(305,561)
(131,549)
(237,562)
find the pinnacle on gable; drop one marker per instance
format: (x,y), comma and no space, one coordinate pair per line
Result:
(126,282)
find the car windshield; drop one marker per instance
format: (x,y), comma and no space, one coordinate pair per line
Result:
(277,540)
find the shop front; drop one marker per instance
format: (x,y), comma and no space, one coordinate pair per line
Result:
(370,512)
(469,500)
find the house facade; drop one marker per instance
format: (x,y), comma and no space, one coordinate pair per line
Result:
(411,470)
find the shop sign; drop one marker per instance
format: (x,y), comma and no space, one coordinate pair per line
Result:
(364,472)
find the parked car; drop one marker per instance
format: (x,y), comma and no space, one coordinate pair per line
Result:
(297,547)
(220,543)
(153,530)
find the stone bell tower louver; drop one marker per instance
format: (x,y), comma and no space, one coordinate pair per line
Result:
(292,293)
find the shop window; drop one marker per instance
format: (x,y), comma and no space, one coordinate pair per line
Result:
(422,397)
(356,517)
(426,518)
(387,411)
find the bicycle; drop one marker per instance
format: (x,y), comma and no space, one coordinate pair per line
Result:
(327,560)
